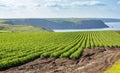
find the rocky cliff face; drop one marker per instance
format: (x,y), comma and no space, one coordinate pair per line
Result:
(89,24)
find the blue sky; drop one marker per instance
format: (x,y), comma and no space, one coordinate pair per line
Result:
(59,8)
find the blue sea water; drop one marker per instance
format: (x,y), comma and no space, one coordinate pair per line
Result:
(112,26)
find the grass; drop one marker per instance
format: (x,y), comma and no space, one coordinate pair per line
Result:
(114,69)
(21,28)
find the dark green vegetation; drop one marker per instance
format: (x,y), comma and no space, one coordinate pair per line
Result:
(59,23)
(19,48)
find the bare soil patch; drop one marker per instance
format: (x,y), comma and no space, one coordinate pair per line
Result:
(94,60)
(118,32)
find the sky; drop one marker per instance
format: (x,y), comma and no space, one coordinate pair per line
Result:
(59,8)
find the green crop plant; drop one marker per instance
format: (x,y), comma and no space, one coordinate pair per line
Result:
(19,48)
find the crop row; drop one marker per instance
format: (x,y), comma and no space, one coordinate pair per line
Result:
(19,48)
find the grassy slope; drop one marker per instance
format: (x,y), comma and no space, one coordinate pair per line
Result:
(114,69)
(20,28)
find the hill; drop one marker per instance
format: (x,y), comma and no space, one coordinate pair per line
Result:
(21,28)
(59,23)
(81,19)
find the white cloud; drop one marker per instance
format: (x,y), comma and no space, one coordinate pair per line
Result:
(80,3)
(55,3)
(18,3)
(57,8)
(72,3)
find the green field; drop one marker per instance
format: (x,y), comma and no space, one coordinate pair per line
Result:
(20,28)
(19,48)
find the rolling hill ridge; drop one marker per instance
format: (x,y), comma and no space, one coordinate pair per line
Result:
(59,24)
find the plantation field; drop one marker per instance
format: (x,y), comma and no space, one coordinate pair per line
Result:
(19,48)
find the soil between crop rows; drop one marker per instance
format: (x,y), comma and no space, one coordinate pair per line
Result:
(94,60)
